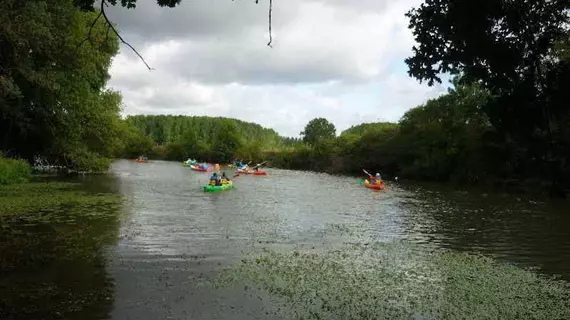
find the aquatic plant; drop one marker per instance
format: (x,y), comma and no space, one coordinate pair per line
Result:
(26,198)
(399,281)
(52,250)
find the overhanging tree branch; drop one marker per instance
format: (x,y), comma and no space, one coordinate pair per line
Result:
(110,27)
(270,14)
(109,24)
(270,23)
(90,30)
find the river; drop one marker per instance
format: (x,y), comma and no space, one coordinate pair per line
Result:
(170,238)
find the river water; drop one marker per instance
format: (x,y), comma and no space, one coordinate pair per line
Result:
(171,236)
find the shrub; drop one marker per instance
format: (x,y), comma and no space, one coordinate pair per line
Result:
(14,171)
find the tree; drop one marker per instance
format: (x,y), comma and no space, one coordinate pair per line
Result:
(444,138)
(52,97)
(364,127)
(510,48)
(318,129)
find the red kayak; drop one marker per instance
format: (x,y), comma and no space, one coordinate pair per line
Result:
(255,173)
(198,168)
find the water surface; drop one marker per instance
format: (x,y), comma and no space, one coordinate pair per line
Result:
(169,237)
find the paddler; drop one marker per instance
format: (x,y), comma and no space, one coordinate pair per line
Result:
(376,179)
(225,179)
(214,179)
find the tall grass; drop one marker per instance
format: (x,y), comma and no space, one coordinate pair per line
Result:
(14,171)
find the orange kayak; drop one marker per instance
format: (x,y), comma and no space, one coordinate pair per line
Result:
(376,186)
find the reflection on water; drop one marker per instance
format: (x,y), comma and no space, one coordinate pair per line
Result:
(173,237)
(53,263)
(531,233)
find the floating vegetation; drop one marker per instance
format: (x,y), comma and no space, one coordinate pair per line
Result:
(400,281)
(44,197)
(52,250)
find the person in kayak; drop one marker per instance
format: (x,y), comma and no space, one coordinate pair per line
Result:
(215,180)
(376,180)
(225,179)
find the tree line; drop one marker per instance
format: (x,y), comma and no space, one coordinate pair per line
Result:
(505,121)
(214,139)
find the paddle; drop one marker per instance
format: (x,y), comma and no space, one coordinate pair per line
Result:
(260,164)
(369,175)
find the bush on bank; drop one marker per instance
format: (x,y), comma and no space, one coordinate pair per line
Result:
(14,171)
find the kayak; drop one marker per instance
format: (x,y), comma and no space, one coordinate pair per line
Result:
(255,173)
(368,185)
(226,186)
(141,161)
(197,168)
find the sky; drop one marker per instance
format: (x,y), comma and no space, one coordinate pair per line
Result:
(338,59)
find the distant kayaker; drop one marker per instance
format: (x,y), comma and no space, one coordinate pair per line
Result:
(376,180)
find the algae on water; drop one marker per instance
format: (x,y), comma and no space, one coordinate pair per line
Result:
(30,198)
(400,281)
(52,250)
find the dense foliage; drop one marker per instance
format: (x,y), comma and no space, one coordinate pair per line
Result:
(448,138)
(14,171)
(53,100)
(204,138)
(518,51)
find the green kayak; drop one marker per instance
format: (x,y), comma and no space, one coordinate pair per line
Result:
(226,186)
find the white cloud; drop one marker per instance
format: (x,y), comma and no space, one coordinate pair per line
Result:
(331,58)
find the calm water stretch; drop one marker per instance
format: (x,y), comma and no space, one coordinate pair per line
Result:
(275,246)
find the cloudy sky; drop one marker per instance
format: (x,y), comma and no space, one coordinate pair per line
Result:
(338,59)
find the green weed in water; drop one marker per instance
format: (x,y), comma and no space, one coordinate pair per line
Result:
(400,281)
(26,198)
(52,250)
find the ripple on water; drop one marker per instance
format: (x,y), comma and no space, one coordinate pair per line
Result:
(173,236)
